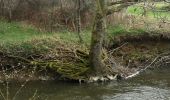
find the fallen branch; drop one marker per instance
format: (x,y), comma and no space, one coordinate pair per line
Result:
(112,51)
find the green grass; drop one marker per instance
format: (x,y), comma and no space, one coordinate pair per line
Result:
(11,32)
(138,10)
(73,37)
(20,34)
(121,30)
(17,32)
(20,37)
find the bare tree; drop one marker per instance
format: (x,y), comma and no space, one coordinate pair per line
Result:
(9,6)
(78,18)
(2,7)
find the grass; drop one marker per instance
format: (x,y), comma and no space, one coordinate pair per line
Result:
(19,33)
(121,30)
(73,37)
(11,32)
(16,32)
(24,41)
(18,37)
(45,49)
(138,10)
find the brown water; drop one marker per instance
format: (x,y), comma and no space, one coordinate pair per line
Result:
(151,85)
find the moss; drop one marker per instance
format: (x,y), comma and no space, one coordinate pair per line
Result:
(73,71)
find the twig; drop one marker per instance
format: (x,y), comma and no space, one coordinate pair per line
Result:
(7,91)
(21,58)
(2,95)
(22,86)
(138,72)
(35,93)
(150,63)
(111,52)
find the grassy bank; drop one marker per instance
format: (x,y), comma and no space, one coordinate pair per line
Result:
(23,46)
(19,36)
(155,11)
(60,52)
(121,30)
(20,32)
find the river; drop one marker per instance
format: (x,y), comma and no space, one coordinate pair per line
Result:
(151,85)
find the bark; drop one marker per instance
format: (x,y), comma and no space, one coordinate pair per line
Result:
(10,16)
(97,38)
(98,35)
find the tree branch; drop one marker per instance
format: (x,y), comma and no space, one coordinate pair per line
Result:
(115,3)
(167,1)
(113,9)
(119,5)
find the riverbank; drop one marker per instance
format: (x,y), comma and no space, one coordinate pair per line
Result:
(27,54)
(70,62)
(63,59)
(138,53)
(25,47)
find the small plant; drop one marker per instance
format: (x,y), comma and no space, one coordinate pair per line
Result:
(6,95)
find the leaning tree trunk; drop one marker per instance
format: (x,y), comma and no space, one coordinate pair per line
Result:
(97,39)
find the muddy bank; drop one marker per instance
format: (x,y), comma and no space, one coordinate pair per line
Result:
(133,54)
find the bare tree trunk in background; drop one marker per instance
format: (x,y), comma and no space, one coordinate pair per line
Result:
(10,16)
(2,7)
(97,39)
(78,18)
(10,8)
(52,16)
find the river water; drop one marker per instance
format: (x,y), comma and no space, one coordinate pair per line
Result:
(151,85)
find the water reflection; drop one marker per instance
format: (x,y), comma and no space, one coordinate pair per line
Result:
(149,86)
(142,93)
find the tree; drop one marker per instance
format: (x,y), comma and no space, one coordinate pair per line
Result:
(78,20)
(168,1)
(97,38)
(8,6)
(2,7)
(98,32)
